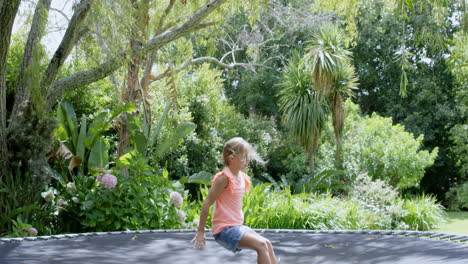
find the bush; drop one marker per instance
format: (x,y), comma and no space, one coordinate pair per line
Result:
(141,201)
(375,146)
(265,208)
(201,100)
(379,201)
(457,197)
(459,149)
(378,208)
(423,213)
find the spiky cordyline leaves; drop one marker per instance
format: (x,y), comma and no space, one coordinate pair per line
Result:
(304,110)
(326,52)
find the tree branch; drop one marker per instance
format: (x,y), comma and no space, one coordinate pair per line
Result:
(189,26)
(67,44)
(229,66)
(61,12)
(163,17)
(80,79)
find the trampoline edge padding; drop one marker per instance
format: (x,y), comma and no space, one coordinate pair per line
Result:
(458,238)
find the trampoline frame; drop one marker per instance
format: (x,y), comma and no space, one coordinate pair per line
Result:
(458,238)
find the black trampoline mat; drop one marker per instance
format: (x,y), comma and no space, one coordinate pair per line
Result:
(175,248)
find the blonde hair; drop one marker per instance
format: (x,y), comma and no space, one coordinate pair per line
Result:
(238,147)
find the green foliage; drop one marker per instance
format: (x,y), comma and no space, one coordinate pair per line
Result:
(432,106)
(202,177)
(84,98)
(458,64)
(304,110)
(379,201)
(423,213)
(201,101)
(459,149)
(457,197)
(87,142)
(144,138)
(266,208)
(326,54)
(138,202)
(375,146)
(21,229)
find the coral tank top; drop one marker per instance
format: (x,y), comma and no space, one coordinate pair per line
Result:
(228,206)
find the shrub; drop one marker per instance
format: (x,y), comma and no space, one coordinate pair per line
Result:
(423,213)
(375,206)
(384,151)
(265,208)
(108,202)
(457,197)
(379,201)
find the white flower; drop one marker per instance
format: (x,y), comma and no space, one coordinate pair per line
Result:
(266,138)
(48,196)
(176,199)
(182,216)
(71,187)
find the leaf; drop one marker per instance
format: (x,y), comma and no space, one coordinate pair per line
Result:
(124,160)
(67,117)
(181,132)
(202,177)
(61,132)
(64,152)
(74,162)
(138,138)
(403,84)
(99,156)
(80,145)
(156,132)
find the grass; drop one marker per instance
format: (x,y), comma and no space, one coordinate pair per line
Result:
(456,222)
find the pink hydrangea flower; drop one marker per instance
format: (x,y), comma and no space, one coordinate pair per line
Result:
(107,180)
(176,199)
(32,231)
(61,203)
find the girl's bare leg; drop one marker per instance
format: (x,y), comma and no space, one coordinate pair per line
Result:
(265,253)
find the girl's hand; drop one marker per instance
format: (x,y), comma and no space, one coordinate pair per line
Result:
(199,240)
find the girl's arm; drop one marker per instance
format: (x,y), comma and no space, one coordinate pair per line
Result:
(218,186)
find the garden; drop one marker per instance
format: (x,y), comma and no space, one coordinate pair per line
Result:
(358,106)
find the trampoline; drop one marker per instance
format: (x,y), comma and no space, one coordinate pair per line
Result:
(291,246)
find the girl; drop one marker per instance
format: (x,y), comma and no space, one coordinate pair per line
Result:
(227,191)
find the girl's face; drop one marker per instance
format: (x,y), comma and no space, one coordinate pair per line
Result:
(239,162)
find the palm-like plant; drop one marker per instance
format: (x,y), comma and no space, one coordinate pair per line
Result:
(304,109)
(333,76)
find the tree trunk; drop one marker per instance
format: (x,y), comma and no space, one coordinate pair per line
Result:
(336,101)
(338,160)
(8,11)
(27,79)
(132,94)
(312,156)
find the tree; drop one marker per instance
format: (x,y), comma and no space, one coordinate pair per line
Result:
(284,27)
(304,109)
(430,107)
(333,76)
(35,96)
(377,147)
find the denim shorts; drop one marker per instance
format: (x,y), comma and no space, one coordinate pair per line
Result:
(230,237)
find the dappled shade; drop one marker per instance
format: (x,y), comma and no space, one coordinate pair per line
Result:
(175,248)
